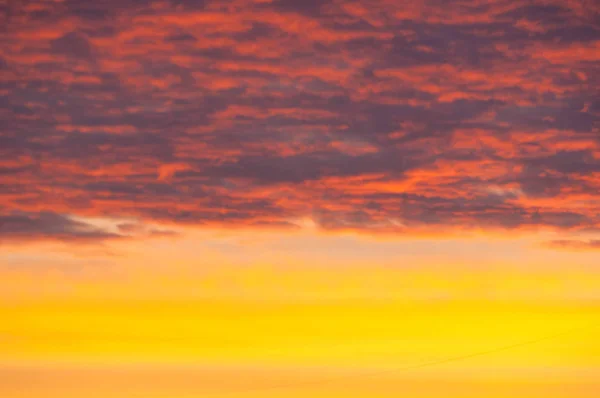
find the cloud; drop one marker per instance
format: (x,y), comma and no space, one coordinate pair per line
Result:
(371,115)
(48,225)
(72,44)
(577,245)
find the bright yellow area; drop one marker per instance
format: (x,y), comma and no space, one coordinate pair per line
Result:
(165,322)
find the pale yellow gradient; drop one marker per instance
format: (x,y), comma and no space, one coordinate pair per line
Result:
(271,314)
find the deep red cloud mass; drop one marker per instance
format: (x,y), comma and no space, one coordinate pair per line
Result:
(379,115)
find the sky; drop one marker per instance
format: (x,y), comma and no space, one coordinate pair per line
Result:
(303,198)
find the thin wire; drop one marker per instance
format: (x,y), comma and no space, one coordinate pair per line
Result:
(410,367)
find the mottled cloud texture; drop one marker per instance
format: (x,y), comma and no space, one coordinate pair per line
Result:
(373,115)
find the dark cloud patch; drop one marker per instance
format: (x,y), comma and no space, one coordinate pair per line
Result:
(181,37)
(536,183)
(189,4)
(308,7)
(12,171)
(73,44)
(547,13)
(567,162)
(49,225)
(89,10)
(219,210)
(577,245)
(547,117)
(99,11)
(429,50)
(302,168)
(435,44)
(118,190)
(259,31)
(587,33)
(111,146)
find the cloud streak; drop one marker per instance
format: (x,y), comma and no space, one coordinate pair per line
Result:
(592,244)
(48,225)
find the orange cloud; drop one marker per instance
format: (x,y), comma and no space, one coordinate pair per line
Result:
(480,116)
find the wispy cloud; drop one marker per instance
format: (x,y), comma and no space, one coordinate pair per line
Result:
(591,244)
(47,225)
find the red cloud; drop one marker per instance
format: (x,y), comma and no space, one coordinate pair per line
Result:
(372,115)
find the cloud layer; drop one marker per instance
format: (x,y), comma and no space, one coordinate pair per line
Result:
(380,116)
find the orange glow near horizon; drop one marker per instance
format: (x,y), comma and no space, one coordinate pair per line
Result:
(166,322)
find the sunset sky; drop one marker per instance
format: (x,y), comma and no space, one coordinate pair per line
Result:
(299,198)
